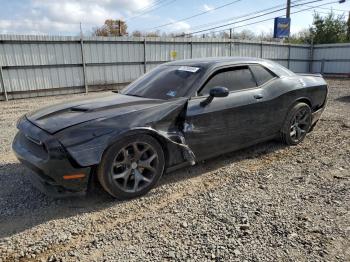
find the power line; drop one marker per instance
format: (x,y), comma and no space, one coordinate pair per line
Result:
(334,9)
(152,8)
(272,18)
(247,19)
(195,15)
(288,9)
(242,16)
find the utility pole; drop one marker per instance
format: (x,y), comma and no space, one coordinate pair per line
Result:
(288,13)
(120,27)
(288,9)
(230,33)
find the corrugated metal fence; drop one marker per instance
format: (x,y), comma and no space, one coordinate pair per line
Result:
(46,65)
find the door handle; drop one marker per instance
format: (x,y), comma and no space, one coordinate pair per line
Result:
(259,96)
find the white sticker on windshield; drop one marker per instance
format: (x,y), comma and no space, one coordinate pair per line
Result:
(171,93)
(188,69)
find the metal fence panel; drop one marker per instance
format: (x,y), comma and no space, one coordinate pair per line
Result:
(105,52)
(331,59)
(246,49)
(30,79)
(113,74)
(209,50)
(162,51)
(55,64)
(275,52)
(299,52)
(24,54)
(299,66)
(337,67)
(329,52)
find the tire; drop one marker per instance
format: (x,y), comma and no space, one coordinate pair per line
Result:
(131,167)
(297,124)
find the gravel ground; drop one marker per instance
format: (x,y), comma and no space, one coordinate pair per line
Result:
(268,202)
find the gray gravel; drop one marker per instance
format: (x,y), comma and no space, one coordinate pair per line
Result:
(268,202)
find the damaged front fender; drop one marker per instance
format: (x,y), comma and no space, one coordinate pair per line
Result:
(164,122)
(173,143)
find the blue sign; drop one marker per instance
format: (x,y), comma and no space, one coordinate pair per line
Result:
(282,27)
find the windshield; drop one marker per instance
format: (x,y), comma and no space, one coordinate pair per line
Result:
(165,82)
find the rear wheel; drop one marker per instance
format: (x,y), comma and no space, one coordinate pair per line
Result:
(297,124)
(131,167)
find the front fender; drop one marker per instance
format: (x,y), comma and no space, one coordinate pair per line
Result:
(173,144)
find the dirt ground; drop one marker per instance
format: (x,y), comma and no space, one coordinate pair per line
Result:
(265,203)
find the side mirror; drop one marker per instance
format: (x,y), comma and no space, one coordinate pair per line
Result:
(217,91)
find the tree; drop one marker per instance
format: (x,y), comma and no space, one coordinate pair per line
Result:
(329,29)
(224,35)
(302,37)
(266,36)
(111,28)
(137,33)
(153,34)
(244,35)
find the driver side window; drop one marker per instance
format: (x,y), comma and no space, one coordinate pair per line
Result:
(234,79)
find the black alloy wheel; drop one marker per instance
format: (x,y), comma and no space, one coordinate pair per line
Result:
(297,124)
(131,167)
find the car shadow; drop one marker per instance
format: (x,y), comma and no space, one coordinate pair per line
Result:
(344,99)
(22,206)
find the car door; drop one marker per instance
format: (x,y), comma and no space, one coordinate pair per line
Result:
(227,123)
(269,106)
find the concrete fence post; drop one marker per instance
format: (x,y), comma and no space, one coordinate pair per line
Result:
(261,49)
(3,84)
(84,65)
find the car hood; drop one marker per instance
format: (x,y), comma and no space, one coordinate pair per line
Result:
(58,117)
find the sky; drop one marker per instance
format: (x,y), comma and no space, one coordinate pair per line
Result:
(63,17)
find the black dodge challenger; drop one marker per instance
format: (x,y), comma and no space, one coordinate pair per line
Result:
(176,115)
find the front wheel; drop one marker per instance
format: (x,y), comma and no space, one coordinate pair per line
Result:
(131,167)
(297,124)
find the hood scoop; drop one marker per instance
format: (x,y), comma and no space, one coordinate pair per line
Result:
(79,109)
(102,106)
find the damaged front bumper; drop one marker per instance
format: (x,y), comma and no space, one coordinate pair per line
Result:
(316,116)
(53,172)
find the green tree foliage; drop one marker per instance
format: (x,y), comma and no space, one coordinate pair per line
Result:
(302,37)
(329,29)
(111,28)
(324,30)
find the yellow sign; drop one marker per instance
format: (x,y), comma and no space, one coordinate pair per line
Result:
(173,54)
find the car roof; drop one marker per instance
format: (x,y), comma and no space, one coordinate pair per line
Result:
(214,62)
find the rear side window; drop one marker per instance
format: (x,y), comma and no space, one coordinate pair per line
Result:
(234,79)
(261,74)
